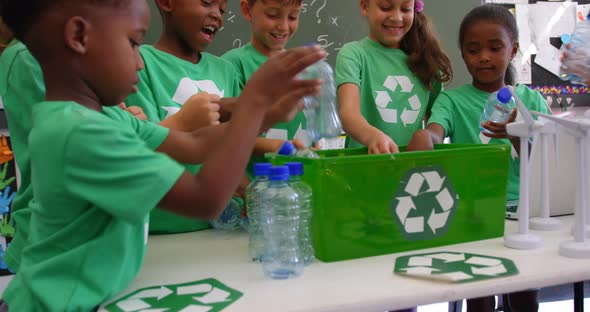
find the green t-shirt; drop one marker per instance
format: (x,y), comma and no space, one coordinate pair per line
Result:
(95,180)
(459,110)
(166,82)
(247,60)
(21,86)
(392,97)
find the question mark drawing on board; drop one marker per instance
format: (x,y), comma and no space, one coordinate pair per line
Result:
(317,13)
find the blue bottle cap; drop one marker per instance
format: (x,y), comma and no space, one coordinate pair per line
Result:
(279,173)
(565,38)
(262,169)
(287,149)
(295,168)
(504,95)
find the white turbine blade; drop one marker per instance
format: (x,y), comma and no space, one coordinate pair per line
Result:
(526,115)
(572,124)
(534,151)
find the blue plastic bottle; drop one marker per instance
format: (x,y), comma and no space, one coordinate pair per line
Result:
(231,216)
(280,215)
(288,149)
(576,67)
(320,111)
(498,107)
(252,222)
(305,195)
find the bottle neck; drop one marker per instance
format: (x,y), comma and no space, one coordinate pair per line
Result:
(279,183)
(295,178)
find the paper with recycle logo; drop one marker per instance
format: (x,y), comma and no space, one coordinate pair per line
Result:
(207,295)
(454,267)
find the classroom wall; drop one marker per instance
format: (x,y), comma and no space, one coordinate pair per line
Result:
(332,23)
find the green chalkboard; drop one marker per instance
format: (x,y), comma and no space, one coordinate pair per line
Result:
(332,23)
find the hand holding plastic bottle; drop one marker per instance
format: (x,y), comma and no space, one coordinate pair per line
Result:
(497,130)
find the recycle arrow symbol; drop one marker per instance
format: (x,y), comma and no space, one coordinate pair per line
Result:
(158,293)
(448,257)
(437,220)
(383,98)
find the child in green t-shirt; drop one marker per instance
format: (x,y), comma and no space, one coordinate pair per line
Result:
(273,23)
(95,178)
(388,81)
(488,38)
(176,68)
(21,87)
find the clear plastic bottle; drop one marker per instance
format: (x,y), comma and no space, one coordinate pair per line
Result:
(253,193)
(576,67)
(231,216)
(280,215)
(498,107)
(321,111)
(288,149)
(305,195)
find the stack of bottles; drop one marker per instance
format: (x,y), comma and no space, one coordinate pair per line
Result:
(279,210)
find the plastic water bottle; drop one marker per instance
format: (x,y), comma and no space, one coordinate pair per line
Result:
(320,110)
(288,149)
(231,215)
(280,215)
(253,193)
(498,107)
(576,67)
(305,194)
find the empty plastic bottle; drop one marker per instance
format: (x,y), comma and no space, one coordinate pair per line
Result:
(320,110)
(576,67)
(231,215)
(288,149)
(498,107)
(253,193)
(305,194)
(280,222)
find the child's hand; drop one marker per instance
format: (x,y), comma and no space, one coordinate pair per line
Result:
(382,144)
(199,111)
(275,86)
(421,141)
(136,111)
(498,129)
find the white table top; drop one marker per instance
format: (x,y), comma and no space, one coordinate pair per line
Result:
(366,284)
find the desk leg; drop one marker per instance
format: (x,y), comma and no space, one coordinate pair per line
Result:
(579,297)
(456,306)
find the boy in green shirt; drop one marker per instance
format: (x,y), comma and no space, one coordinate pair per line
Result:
(274,23)
(176,68)
(21,87)
(95,178)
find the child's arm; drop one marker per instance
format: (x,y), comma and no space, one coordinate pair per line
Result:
(424,139)
(357,126)
(218,178)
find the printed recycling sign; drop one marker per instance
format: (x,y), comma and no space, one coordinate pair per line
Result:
(400,87)
(424,203)
(208,295)
(454,267)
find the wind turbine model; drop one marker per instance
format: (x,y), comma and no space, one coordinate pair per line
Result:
(524,129)
(544,222)
(580,130)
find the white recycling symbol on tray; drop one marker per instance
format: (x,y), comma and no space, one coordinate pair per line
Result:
(429,217)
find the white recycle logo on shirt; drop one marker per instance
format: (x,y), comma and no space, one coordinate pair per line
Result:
(187,88)
(454,267)
(424,203)
(409,114)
